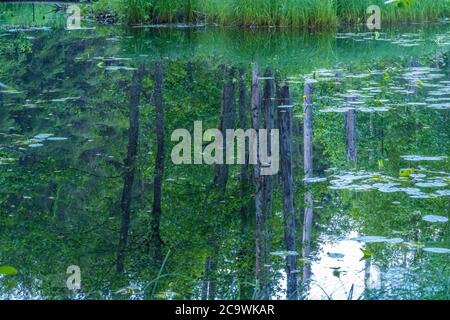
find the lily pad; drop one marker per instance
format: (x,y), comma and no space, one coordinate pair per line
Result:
(43,136)
(8,270)
(335,255)
(378,239)
(314,180)
(423,158)
(443,192)
(284,254)
(35,145)
(57,139)
(431,184)
(367,254)
(437,250)
(434,218)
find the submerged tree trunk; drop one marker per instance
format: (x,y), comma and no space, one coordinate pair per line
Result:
(159,163)
(130,167)
(350,132)
(285,120)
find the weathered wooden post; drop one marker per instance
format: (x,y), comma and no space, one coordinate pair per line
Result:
(285,125)
(350,130)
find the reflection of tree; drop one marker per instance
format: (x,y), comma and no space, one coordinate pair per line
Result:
(159,164)
(130,167)
(350,132)
(220,181)
(290,241)
(309,171)
(307,236)
(81,178)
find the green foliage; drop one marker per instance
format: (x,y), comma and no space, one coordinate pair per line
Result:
(354,11)
(294,13)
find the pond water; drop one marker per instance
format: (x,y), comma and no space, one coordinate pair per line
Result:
(372,222)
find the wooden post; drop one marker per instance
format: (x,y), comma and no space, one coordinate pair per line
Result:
(308,129)
(285,125)
(130,167)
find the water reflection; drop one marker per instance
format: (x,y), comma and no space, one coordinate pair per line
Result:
(370,148)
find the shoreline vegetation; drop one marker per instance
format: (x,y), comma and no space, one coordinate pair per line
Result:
(313,14)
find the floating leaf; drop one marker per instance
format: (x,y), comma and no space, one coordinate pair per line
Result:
(43,136)
(378,239)
(303,261)
(335,255)
(35,145)
(284,253)
(57,139)
(8,270)
(415,245)
(431,184)
(406,173)
(423,158)
(434,218)
(367,254)
(437,250)
(443,192)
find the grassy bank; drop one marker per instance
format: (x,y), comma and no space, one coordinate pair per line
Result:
(294,13)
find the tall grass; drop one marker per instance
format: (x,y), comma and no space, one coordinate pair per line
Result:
(354,11)
(293,13)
